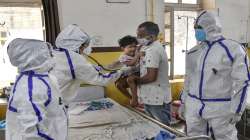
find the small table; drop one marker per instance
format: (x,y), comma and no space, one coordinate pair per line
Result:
(3,108)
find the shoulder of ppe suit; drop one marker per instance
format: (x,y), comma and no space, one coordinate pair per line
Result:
(59,57)
(77,59)
(81,64)
(235,48)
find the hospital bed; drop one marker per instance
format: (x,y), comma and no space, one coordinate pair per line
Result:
(116,122)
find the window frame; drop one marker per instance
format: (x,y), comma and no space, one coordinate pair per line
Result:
(180,2)
(20,3)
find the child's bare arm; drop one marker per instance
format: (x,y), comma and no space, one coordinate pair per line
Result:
(114,65)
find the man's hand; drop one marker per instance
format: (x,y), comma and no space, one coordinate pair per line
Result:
(142,54)
(150,77)
(134,78)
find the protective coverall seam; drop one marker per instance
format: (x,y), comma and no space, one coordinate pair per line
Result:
(210,45)
(71,66)
(11,108)
(227,51)
(36,109)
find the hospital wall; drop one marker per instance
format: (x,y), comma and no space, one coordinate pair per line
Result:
(108,22)
(234,16)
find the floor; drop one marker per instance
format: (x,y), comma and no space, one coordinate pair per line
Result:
(181,127)
(243,138)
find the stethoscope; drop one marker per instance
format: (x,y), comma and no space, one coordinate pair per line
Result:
(100,65)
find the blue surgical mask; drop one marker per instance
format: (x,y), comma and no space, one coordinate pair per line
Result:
(200,35)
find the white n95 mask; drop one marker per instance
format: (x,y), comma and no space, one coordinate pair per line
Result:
(87,50)
(143,41)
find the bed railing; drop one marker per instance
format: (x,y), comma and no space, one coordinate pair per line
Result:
(180,135)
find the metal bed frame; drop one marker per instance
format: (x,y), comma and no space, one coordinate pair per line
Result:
(180,135)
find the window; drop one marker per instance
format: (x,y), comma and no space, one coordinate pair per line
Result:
(184,38)
(20,22)
(179,33)
(189,1)
(171,1)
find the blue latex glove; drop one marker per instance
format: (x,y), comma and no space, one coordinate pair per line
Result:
(98,68)
(163,135)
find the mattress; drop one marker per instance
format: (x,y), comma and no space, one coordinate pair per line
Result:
(111,123)
(88,93)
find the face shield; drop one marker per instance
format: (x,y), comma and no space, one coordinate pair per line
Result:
(87,48)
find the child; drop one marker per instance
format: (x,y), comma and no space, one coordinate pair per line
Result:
(129,58)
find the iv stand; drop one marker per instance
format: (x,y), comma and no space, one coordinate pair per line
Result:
(187,34)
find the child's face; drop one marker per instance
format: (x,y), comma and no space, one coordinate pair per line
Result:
(129,49)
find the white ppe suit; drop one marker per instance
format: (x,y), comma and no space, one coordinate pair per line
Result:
(72,68)
(216,83)
(34,111)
